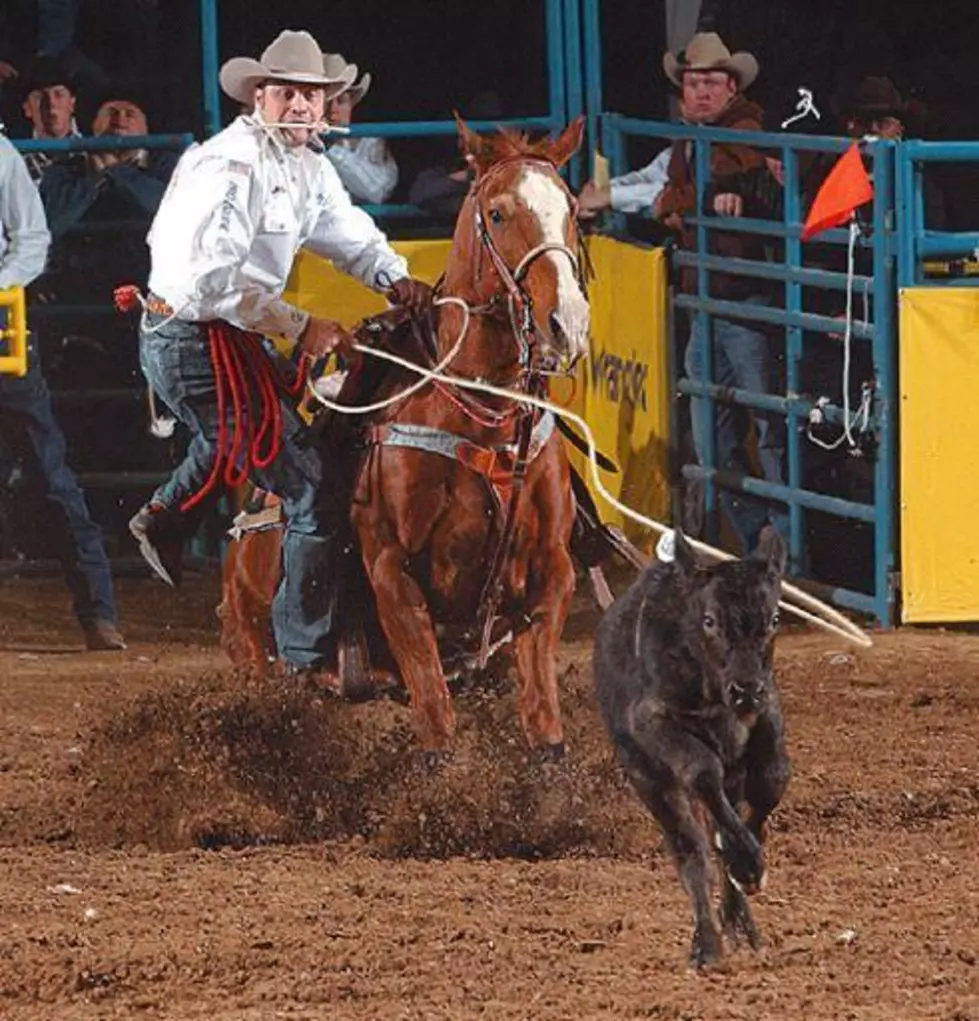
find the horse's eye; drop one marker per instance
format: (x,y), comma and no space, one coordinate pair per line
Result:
(495,216)
(710,624)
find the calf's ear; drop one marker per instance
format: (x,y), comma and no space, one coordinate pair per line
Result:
(771,548)
(683,553)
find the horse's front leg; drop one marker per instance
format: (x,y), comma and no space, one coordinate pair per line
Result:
(407,623)
(548,585)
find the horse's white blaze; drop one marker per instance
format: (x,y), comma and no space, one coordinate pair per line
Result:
(547,201)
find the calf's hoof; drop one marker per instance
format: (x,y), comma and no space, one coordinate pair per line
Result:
(736,917)
(744,861)
(705,952)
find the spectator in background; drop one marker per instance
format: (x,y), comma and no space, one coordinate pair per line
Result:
(26,415)
(365,165)
(441,188)
(634,192)
(878,110)
(122,184)
(99,205)
(712,81)
(48,93)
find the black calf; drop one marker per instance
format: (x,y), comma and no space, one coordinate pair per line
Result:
(683,678)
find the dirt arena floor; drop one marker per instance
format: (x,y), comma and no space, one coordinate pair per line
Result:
(176,842)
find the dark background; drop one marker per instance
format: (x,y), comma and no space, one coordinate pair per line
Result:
(428,56)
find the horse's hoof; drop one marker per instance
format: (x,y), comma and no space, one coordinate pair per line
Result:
(317,681)
(377,684)
(436,759)
(551,753)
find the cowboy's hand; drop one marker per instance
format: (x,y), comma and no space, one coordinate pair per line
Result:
(776,168)
(728,204)
(415,295)
(592,200)
(322,337)
(99,161)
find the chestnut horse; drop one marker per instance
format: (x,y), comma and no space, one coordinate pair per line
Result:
(459,487)
(462,505)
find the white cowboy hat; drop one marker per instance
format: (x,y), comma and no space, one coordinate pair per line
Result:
(335,66)
(291,57)
(706,52)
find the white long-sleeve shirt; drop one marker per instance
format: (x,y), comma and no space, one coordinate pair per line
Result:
(366,167)
(237,210)
(636,191)
(24,238)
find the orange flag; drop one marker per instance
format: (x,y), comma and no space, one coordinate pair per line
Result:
(846,187)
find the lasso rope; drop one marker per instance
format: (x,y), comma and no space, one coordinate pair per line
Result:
(240,362)
(245,377)
(861,416)
(832,620)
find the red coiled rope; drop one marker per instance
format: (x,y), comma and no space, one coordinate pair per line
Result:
(247,377)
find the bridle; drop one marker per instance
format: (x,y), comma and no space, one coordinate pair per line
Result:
(520,305)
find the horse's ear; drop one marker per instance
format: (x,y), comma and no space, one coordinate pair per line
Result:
(470,143)
(567,143)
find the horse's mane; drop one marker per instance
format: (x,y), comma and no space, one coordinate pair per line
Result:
(509,143)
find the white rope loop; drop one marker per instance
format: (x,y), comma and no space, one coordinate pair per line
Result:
(367,409)
(862,415)
(811,609)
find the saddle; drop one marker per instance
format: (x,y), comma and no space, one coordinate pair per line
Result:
(346,438)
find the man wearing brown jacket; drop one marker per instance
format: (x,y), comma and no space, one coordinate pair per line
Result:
(711,81)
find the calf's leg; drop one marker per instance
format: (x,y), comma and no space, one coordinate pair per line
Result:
(688,844)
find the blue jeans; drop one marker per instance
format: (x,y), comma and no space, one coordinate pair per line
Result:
(740,358)
(25,405)
(176,362)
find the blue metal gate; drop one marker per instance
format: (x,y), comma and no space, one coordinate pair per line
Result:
(797,327)
(798,280)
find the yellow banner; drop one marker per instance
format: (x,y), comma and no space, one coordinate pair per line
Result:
(13,332)
(318,288)
(939,374)
(622,389)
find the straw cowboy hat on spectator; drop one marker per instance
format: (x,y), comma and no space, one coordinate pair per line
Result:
(706,52)
(335,66)
(291,57)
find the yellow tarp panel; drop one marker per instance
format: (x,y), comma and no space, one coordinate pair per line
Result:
(939,366)
(318,288)
(13,332)
(622,389)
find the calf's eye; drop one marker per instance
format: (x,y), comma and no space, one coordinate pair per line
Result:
(710,624)
(776,617)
